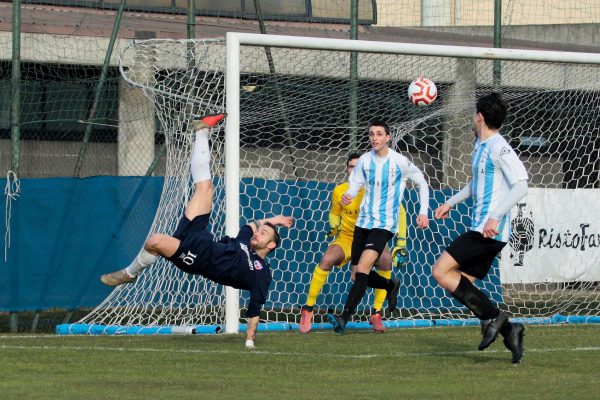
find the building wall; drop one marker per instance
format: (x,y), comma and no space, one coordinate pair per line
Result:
(462,13)
(40,158)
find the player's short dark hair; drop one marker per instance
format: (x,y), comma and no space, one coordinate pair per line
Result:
(382,123)
(276,238)
(352,156)
(493,108)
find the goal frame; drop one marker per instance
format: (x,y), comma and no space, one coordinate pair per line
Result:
(234,41)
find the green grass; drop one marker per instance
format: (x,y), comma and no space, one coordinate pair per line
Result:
(560,362)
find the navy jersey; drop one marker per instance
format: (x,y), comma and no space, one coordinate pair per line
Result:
(228,261)
(251,272)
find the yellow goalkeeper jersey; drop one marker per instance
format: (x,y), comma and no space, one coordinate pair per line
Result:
(347,215)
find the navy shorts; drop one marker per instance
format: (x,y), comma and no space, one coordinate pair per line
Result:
(368,239)
(474,253)
(195,249)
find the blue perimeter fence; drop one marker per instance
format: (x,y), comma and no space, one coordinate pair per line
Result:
(66,232)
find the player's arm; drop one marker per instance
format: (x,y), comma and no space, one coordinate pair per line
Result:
(258,297)
(278,220)
(512,197)
(335,214)
(443,210)
(416,176)
(399,256)
(356,181)
(515,173)
(252,324)
(252,315)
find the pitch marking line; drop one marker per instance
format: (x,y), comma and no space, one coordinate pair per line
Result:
(278,353)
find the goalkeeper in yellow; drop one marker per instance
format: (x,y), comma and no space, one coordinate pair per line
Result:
(341,220)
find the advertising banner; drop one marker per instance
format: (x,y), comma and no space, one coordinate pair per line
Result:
(555,238)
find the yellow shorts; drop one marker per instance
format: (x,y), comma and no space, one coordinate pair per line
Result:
(345,242)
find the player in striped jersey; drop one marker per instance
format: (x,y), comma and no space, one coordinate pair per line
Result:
(499,181)
(383,173)
(342,219)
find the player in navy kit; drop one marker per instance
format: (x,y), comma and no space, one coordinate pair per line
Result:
(237,262)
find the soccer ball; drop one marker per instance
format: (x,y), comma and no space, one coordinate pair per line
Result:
(422,92)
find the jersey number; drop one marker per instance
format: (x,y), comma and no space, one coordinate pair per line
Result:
(188,258)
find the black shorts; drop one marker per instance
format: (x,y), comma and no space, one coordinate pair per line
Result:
(194,251)
(474,253)
(186,226)
(369,239)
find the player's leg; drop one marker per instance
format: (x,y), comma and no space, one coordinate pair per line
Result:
(358,289)
(468,258)
(145,258)
(358,242)
(513,340)
(188,255)
(372,242)
(460,285)
(334,255)
(379,238)
(445,272)
(200,203)
(512,332)
(383,267)
(157,244)
(202,199)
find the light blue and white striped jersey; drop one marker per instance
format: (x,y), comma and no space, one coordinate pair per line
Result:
(496,168)
(384,179)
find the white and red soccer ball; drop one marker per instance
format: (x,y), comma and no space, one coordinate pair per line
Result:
(422,92)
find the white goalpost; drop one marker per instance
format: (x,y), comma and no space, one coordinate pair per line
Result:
(297,106)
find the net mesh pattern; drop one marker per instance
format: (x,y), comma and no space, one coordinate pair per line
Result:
(295,136)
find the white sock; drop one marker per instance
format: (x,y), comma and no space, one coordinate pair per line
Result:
(200,164)
(140,263)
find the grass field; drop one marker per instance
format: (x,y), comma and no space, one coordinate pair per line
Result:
(560,362)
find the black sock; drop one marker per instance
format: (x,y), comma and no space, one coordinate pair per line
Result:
(377,281)
(506,328)
(307,308)
(355,295)
(475,300)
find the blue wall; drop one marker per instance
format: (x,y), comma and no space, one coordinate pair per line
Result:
(292,269)
(66,232)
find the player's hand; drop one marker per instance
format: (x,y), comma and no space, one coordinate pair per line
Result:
(333,231)
(399,256)
(249,343)
(422,221)
(442,211)
(346,199)
(490,229)
(282,220)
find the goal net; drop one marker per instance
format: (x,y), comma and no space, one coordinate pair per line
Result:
(298,106)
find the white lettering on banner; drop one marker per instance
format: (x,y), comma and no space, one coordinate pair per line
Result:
(555,237)
(245,250)
(567,238)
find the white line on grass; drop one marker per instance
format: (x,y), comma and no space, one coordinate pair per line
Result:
(18,336)
(29,336)
(278,353)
